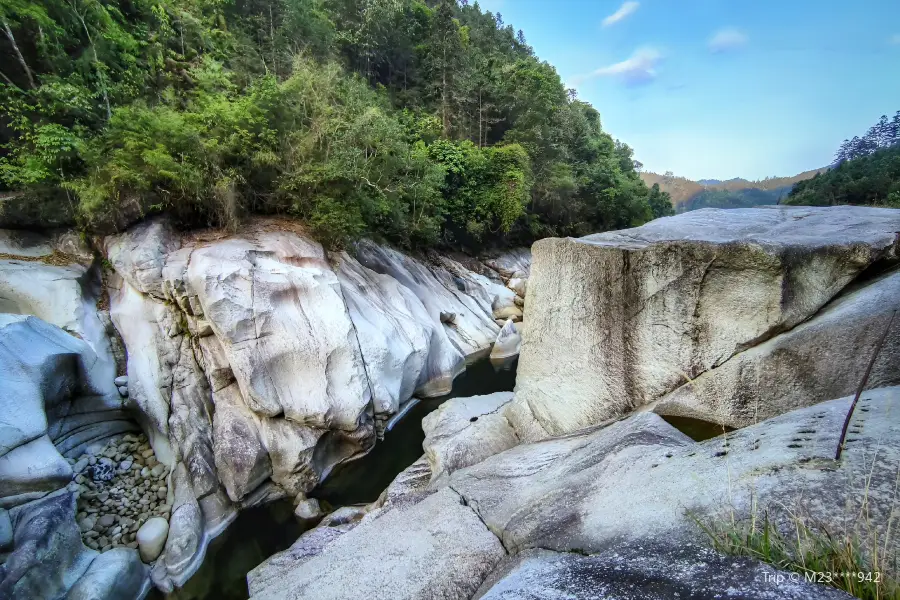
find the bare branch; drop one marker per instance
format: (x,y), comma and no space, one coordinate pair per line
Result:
(12,40)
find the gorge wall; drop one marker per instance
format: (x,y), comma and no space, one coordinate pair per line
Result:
(726,316)
(256,362)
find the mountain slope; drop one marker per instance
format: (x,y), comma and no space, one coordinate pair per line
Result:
(691,195)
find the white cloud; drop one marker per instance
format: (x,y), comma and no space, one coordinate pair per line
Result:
(727,39)
(624,11)
(895,40)
(640,68)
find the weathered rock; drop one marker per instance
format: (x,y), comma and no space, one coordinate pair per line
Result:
(514,263)
(151,538)
(290,340)
(646,572)
(822,357)
(444,286)
(405,349)
(434,549)
(619,319)
(242,461)
(30,471)
(50,383)
(185,532)
(6,531)
(464,431)
(117,573)
(508,342)
(627,482)
(49,560)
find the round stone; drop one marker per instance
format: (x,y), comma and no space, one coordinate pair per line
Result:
(151,538)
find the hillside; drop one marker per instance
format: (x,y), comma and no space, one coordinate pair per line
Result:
(420,123)
(734,193)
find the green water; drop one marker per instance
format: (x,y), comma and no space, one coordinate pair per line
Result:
(696,429)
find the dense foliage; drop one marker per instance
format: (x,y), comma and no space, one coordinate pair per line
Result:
(884,134)
(423,123)
(867,172)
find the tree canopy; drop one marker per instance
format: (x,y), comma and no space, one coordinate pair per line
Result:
(423,123)
(866,171)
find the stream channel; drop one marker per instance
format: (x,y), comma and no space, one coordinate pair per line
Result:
(260,532)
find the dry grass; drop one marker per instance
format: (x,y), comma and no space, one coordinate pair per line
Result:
(859,564)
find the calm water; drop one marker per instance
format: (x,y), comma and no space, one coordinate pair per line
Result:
(363,480)
(260,532)
(696,429)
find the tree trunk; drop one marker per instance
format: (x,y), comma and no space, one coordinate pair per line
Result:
(12,40)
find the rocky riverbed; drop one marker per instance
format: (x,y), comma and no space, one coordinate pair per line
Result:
(119,487)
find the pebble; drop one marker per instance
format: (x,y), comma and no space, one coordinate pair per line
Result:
(110,511)
(123,380)
(123,391)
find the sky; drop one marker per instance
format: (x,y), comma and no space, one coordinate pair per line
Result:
(717,89)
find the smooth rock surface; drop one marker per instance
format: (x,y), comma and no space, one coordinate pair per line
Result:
(640,479)
(644,572)
(508,342)
(464,431)
(822,357)
(49,560)
(619,319)
(437,548)
(151,538)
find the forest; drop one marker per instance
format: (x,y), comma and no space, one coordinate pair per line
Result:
(866,171)
(420,123)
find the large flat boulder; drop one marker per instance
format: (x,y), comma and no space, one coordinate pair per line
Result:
(640,479)
(618,320)
(437,548)
(464,431)
(646,572)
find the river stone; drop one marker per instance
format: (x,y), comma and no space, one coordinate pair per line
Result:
(464,431)
(308,509)
(437,548)
(151,538)
(508,342)
(645,572)
(509,312)
(619,319)
(121,380)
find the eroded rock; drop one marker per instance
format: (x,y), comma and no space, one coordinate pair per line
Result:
(619,319)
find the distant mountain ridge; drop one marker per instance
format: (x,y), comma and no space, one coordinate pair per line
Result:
(733,193)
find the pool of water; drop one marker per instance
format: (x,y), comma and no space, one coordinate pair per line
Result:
(363,480)
(696,429)
(256,534)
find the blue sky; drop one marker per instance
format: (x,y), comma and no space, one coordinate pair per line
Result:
(723,88)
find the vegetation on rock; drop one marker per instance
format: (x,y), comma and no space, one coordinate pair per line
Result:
(423,123)
(866,171)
